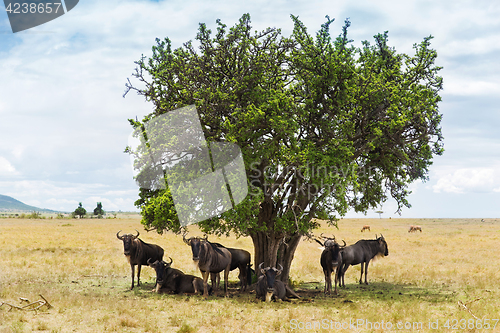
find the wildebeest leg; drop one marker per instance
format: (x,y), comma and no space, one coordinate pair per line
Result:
(336,277)
(138,274)
(133,273)
(366,272)
(195,287)
(205,283)
(215,278)
(226,277)
(243,277)
(342,273)
(361,277)
(328,281)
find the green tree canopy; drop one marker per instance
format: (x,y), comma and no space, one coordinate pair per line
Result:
(80,211)
(98,210)
(323,126)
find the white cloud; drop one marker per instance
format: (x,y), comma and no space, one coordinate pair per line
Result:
(6,168)
(467,180)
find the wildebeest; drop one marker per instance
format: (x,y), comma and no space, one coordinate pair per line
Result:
(365,227)
(415,228)
(138,253)
(169,279)
(268,288)
(210,259)
(331,259)
(361,253)
(239,259)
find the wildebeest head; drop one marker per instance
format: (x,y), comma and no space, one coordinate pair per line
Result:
(383,248)
(330,242)
(270,274)
(195,243)
(127,241)
(160,267)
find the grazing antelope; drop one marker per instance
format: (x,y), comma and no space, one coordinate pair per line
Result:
(365,227)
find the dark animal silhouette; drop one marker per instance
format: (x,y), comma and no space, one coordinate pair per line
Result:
(268,288)
(172,280)
(210,259)
(239,259)
(331,260)
(361,253)
(138,253)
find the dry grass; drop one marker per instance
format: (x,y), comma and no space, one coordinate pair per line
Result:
(78,266)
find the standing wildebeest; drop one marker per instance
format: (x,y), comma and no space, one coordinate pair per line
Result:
(169,279)
(210,259)
(268,287)
(239,259)
(331,259)
(365,227)
(361,253)
(138,253)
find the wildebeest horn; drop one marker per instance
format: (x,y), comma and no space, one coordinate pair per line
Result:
(260,267)
(149,262)
(205,238)
(344,244)
(280,270)
(118,235)
(187,241)
(137,234)
(171,261)
(317,240)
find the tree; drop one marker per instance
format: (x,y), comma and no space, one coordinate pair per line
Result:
(98,210)
(323,126)
(80,211)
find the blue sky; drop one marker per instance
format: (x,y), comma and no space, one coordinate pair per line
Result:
(63,120)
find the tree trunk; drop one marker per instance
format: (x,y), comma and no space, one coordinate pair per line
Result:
(285,255)
(273,248)
(266,250)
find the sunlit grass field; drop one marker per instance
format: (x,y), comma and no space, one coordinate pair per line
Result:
(443,279)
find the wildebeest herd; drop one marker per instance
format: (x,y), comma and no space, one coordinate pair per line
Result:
(214,258)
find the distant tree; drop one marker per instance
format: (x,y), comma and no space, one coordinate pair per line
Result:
(379,212)
(80,211)
(98,210)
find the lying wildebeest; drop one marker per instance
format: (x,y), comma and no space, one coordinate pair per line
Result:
(415,228)
(239,259)
(210,259)
(365,227)
(169,279)
(361,253)
(268,287)
(138,253)
(331,259)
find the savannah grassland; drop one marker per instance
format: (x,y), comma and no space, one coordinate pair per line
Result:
(79,267)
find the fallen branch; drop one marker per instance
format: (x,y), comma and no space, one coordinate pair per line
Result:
(32,306)
(464,305)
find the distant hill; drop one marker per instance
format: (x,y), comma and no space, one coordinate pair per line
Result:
(10,204)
